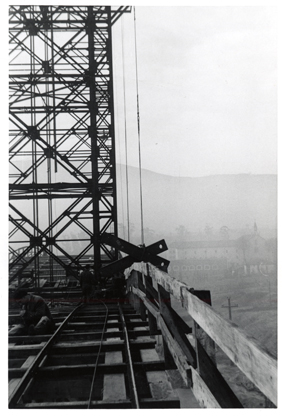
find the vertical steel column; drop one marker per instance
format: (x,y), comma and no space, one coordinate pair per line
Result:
(94,145)
(62,118)
(113,151)
(101,129)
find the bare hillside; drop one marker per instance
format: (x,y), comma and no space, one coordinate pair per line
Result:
(232,200)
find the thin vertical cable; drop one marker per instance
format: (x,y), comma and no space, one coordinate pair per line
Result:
(125,131)
(138,127)
(118,135)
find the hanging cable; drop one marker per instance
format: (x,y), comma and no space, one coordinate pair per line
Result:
(125,132)
(138,129)
(121,211)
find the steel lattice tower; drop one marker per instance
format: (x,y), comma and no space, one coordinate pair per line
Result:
(62,142)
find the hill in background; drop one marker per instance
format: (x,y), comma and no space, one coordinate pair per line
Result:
(236,201)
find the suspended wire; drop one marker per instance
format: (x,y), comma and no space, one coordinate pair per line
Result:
(138,129)
(121,191)
(125,131)
(120,170)
(122,231)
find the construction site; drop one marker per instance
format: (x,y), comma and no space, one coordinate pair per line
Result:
(95,321)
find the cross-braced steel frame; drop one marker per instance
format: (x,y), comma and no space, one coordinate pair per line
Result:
(62,142)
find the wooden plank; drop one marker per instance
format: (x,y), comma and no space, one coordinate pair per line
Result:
(81,343)
(183,327)
(202,393)
(159,385)
(18,351)
(95,404)
(135,324)
(151,290)
(187,398)
(190,376)
(215,382)
(28,361)
(57,371)
(112,330)
(173,324)
(142,306)
(109,345)
(164,298)
(149,305)
(114,387)
(15,362)
(13,385)
(165,403)
(66,336)
(176,352)
(114,384)
(149,355)
(26,350)
(152,295)
(243,350)
(113,357)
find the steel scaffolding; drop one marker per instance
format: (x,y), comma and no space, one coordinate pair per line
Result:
(62,142)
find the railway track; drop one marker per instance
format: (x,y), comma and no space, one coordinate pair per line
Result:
(100,356)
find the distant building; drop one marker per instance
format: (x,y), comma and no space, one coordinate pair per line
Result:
(248,254)
(258,254)
(206,258)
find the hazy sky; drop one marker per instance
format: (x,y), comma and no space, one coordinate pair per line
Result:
(207,89)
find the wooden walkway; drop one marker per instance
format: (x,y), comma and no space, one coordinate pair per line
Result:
(88,365)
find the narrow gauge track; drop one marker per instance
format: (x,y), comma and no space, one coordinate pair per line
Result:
(100,356)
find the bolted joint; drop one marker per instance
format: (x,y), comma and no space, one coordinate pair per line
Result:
(89,76)
(49,153)
(31,27)
(47,69)
(50,241)
(36,241)
(33,133)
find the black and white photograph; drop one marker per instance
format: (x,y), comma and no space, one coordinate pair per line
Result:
(141,256)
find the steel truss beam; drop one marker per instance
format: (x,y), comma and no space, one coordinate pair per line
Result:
(62,142)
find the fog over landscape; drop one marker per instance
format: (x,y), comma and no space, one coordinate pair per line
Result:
(169,202)
(235,201)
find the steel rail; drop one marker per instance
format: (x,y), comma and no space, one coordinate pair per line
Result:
(132,383)
(98,356)
(30,372)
